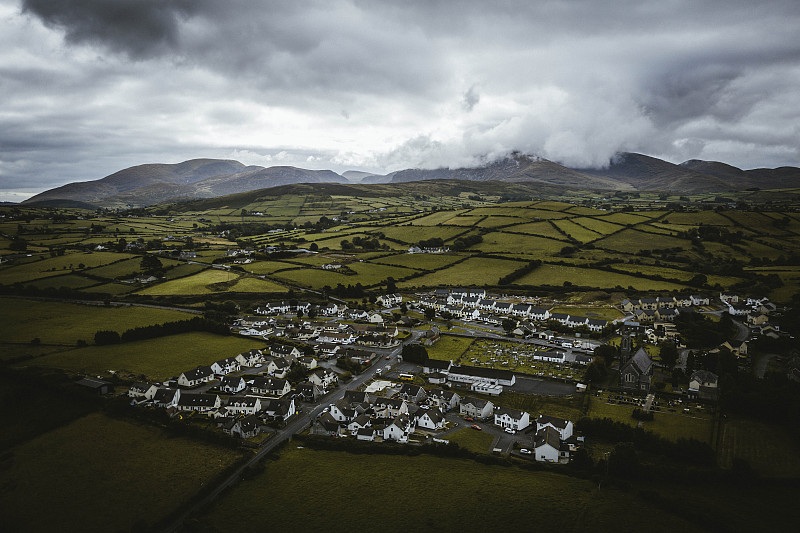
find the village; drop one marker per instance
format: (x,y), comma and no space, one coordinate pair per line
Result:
(344,372)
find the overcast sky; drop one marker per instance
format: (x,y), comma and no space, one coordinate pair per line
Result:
(88,87)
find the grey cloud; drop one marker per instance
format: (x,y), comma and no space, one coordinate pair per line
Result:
(139,28)
(470,99)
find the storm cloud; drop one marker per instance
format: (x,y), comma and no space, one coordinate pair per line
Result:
(92,86)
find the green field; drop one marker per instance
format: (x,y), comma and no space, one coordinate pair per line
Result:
(206,282)
(449,348)
(157,359)
(474,271)
(22,320)
(101,474)
(390,495)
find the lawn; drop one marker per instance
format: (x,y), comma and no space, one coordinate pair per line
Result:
(393,493)
(472,439)
(509,242)
(576,231)
(449,347)
(102,474)
(631,241)
(248,284)
(65,323)
(57,265)
(366,273)
(157,359)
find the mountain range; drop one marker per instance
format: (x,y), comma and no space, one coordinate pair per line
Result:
(153,184)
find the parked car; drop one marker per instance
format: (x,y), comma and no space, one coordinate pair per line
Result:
(525,451)
(476,426)
(509,431)
(469,419)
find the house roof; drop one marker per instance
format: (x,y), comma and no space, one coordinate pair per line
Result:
(192,400)
(491,373)
(552,420)
(434,413)
(516,414)
(547,436)
(198,373)
(476,402)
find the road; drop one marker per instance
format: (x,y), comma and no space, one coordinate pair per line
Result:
(295,426)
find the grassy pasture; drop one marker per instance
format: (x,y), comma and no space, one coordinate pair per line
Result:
(65,323)
(631,241)
(474,271)
(366,273)
(509,242)
(195,284)
(98,473)
(625,218)
(557,275)
(544,229)
(577,232)
(441,217)
(249,284)
(71,281)
(597,225)
(52,266)
(419,261)
(158,359)
(414,234)
(507,498)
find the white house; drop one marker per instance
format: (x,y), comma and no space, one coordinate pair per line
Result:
(166,398)
(232,385)
(278,368)
(399,429)
(251,358)
(192,378)
(322,377)
(225,366)
(282,409)
(563,427)
(198,402)
(513,419)
(431,418)
(143,391)
(248,405)
(274,387)
(476,408)
(547,446)
(389,300)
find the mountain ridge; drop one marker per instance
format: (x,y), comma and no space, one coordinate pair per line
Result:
(155,183)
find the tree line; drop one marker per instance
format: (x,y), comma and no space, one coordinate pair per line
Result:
(106,337)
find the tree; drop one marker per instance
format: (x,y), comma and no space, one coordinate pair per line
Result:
(415,353)
(106,337)
(691,363)
(596,372)
(623,461)
(509,324)
(403,308)
(391,288)
(430,313)
(313,247)
(607,352)
(669,354)
(18,244)
(151,264)
(297,373)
